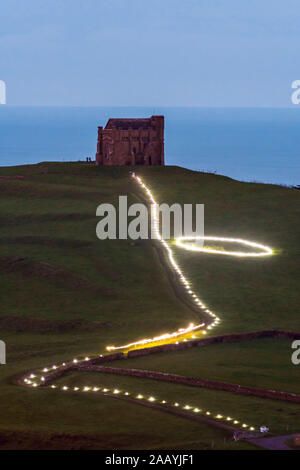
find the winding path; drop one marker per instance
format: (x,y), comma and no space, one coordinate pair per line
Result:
(47,376)
(274,443)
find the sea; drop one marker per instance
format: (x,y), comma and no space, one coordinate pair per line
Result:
(247,144)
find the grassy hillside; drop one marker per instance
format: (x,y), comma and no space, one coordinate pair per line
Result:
(247,293)
(64,292)
(263,363)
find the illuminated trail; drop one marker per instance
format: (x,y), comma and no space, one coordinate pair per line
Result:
(42,377)
(182,242)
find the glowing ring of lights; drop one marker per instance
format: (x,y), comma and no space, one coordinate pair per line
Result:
(265,250)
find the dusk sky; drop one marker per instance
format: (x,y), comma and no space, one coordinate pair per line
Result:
(149,52)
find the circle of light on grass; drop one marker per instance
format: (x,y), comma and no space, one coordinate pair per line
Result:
(264,250)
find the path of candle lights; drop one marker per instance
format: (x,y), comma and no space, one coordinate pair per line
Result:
(42,377)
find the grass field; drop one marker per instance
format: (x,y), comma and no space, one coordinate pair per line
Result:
(262,363)
(65,293)
(280,416)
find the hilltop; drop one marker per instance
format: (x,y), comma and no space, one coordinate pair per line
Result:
(64,293)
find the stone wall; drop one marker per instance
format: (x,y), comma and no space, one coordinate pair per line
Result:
(92,365)
(214,340)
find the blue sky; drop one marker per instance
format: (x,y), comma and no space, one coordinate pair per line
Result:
(149,52)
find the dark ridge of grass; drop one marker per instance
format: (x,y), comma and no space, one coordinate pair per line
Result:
(27,269)
(35,325)
(45,241)
(11,188)
(23,440)
(43,218)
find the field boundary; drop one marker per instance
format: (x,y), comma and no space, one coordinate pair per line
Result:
(193,381)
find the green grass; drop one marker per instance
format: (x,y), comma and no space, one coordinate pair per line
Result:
(262,363)
(110,292)
(103,423)
(279,416)
(248,294)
